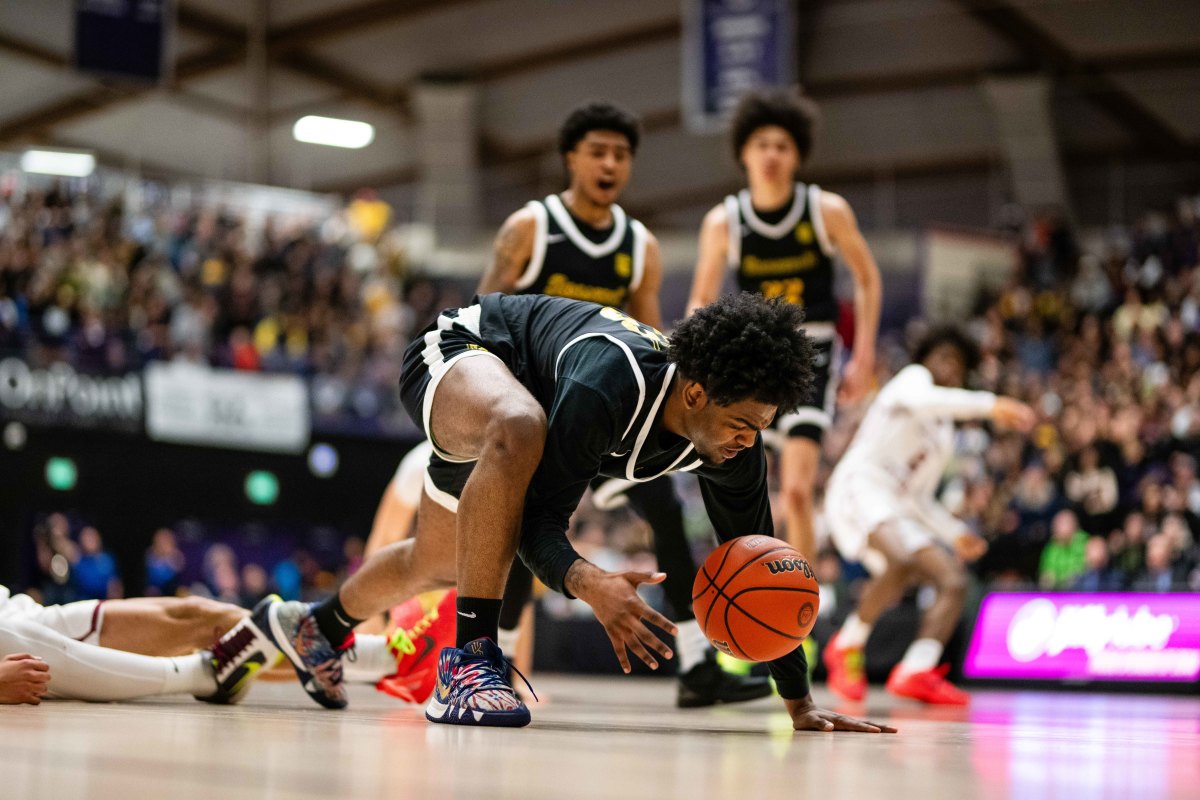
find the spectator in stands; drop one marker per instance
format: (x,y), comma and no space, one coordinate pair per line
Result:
(1064,557)
(94,575)
(1098,576)
(164,564)
(1160,574)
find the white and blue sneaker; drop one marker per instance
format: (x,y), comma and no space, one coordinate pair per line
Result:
(318,664)
(473,688)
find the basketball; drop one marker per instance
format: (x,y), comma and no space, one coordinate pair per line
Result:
(755,598)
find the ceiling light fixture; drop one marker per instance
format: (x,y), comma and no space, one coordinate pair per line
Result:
(333,132)
(69,163)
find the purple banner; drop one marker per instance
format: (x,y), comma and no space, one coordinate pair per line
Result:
(1099,637)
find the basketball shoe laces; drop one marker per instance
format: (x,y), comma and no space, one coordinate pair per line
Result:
(480,674)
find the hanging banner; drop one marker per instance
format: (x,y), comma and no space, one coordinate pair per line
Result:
(58,395)
(123,38)
(1067,636)
(729,47)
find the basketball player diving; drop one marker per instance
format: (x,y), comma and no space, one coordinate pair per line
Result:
(525,400)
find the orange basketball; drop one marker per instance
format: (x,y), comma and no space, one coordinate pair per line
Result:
(755,598)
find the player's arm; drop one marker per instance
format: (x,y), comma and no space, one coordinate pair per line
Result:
(735,497)
(711,260)
(510,253)
(916,392)
(842,227)
(643,301)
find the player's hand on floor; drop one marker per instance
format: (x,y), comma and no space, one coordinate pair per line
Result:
(23,679)
(807,717)
(623,613)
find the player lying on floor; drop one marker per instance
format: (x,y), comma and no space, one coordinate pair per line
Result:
(145,646)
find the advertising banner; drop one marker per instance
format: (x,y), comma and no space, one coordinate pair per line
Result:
(192,404)
(59,396)
(1119,637)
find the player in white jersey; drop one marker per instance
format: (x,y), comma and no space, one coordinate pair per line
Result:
(144,646)
(882,510)
(126,649)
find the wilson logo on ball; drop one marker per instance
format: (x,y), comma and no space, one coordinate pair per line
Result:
(790,565)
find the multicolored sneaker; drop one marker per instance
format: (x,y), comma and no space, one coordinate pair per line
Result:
(928,686)
(238,656)
(473,688)
(418,637)
(318,664)
(847,675)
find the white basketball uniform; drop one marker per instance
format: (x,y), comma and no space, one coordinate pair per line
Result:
(80,621)
(891,471)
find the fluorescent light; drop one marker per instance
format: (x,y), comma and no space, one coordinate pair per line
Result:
(58,162)
(347,133)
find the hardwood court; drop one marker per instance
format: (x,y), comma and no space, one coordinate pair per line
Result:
(616,739)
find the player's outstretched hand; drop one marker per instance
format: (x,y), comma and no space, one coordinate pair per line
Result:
(23,679)
(856,381)
(1013,414)
(807,717)
(623,613)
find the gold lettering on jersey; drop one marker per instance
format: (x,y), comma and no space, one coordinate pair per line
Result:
(560,285)
(653,335)
(623,265)
(790,289)
(804,233)
(755,267)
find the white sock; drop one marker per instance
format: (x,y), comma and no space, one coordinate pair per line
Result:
(921,655)
(691,645)
(508,641)
(372,660)
(86,672)
(184,674)
(854,632)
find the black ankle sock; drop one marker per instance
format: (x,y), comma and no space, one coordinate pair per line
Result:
(478,617)
(333,621)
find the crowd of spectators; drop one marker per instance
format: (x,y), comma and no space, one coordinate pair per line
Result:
(1102,338)
(1100,335)
(107,289)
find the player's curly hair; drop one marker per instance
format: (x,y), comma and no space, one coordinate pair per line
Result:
(745,347)
(789,110)
(598,116)
(953,336)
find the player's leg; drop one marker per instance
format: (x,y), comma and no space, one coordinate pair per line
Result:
(165,626)
(518,591)
(918,675)
(87,672)
(800,458)
(482,413)
(798,476)
(702,682)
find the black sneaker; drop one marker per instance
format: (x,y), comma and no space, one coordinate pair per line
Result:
(237,657)
(706,684)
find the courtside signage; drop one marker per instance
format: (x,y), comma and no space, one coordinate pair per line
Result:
(1120,637)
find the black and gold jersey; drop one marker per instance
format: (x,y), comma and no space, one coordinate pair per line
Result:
(573,260)
(789,257)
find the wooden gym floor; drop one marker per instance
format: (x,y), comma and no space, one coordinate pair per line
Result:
(601,738)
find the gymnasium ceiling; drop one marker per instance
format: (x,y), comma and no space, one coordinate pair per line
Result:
(898,81)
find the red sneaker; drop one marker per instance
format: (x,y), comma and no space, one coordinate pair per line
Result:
(847,678)
(416,640)
(928,686)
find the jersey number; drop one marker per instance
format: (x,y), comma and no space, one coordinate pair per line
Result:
(653,335)
(790,289)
